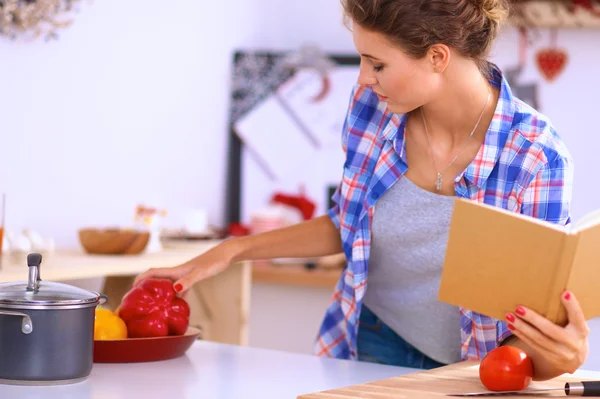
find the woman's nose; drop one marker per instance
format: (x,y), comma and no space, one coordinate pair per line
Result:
(366,77)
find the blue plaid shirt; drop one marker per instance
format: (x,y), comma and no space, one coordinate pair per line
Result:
(523,166)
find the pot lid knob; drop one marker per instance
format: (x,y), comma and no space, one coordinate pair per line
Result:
(33,262)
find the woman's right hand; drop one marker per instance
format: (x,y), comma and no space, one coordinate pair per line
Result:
(184,276)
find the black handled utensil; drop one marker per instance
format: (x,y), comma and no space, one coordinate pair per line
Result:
(584,388)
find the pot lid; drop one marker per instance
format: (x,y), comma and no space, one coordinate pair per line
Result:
(48,293)
(45,293)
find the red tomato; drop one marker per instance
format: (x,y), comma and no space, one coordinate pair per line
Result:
(506,368)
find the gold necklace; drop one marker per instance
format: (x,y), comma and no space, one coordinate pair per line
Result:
(438,180)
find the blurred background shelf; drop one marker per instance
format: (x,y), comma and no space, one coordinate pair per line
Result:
(295,274)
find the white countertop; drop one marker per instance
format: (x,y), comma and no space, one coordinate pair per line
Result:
(214,371)
(218,371)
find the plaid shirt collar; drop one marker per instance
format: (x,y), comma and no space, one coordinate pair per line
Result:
(482,165)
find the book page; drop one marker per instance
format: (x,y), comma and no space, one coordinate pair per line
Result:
(585,272)
(591,219)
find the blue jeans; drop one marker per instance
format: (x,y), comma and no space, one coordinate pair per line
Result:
(378,343)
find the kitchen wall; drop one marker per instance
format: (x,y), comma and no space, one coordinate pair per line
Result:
(130,105)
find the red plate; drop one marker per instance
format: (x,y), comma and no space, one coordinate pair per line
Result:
(134,350)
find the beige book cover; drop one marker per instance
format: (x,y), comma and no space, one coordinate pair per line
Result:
(497,260)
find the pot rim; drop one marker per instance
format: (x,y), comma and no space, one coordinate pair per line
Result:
(54,305)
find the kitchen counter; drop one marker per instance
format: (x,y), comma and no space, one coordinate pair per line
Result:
(73,264)
(220,371)
(214,371)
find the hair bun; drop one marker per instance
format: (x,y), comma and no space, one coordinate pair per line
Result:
(495,10)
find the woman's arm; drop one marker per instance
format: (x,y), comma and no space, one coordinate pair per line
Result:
(316,237)
(313,238)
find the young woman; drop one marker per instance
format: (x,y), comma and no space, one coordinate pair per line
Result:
(429,119)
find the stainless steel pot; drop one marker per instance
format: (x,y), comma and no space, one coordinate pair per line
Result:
(46,330)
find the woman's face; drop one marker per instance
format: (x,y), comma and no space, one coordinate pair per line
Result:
(404,83)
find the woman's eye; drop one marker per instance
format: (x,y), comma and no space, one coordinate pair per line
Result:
(377,68)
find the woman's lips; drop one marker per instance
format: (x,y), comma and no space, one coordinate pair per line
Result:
(381,98)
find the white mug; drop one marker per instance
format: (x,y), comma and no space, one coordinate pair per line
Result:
(196,221)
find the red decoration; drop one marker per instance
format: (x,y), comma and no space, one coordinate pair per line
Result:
(586,5)
(551,61)
(238,230)
(300,202)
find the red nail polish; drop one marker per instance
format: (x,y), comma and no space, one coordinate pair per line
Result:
(178,287)
(520,311)
(510,317)
(567,295)
(510,327)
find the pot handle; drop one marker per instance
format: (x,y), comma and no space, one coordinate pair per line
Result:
(33,262)
(26,325)
(103,299)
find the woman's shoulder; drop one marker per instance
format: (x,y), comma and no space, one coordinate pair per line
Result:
(523,129)
(530,128)
(536,129)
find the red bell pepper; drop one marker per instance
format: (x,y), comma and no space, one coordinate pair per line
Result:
(152,309)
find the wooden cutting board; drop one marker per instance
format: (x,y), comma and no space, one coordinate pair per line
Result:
(462,377)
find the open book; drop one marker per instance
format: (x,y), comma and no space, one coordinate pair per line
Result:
(497,260)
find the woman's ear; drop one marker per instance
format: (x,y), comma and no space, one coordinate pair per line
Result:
(439,56)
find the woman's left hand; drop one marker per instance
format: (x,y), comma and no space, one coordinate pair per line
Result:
(564,348)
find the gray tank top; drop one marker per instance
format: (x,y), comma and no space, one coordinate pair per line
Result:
(409,235)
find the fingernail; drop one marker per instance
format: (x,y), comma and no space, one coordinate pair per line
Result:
(510,317)
(520,311)
(567,295)
(178,287)
(510,327)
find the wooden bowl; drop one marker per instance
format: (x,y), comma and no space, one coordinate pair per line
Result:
(113,241)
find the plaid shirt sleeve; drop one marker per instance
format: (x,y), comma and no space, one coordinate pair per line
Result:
(547,197)
(334,212)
